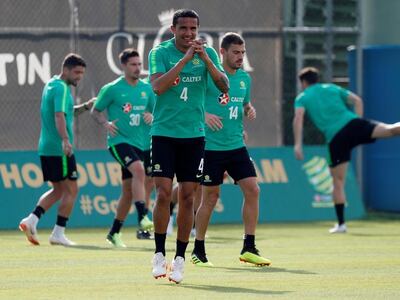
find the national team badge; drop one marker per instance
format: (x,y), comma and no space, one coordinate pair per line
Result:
(223,99)
(196,61)
(126,108)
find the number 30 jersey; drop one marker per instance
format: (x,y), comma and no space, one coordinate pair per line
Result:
(126,104)
(228,106)
(179,112)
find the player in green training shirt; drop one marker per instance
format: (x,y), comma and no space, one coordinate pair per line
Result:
(56,150)
(179,69)
(226,151)
(129,102)
(330,108)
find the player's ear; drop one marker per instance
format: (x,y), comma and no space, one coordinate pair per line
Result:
(173,29)
(222,51)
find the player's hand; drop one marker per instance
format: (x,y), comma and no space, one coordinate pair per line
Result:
(111,127)
(298,152)
(199,49)
(189,54)
(214,122)
(250,113)
(148,118)
(67,147)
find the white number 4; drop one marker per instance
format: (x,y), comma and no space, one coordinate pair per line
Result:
(184,94)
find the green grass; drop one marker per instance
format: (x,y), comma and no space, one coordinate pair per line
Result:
(307,262)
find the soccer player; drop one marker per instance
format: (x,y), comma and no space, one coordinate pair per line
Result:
(226,151)
(56,150)
(128,101)
(179,69)
(330,108)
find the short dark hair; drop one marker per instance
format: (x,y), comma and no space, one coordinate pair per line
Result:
(126,54)
(309,74)
(73,60)
(231,38)
(185,13)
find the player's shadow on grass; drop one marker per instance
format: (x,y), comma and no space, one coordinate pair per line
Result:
(107,248)
(231,290)
(267,270)
(374,234)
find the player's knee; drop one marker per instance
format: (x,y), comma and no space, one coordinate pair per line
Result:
(163,196)
(211,199)
(253,191)
(137,171)
(73,190)
(338,182)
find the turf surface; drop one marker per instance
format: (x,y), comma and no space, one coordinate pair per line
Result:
(307,262)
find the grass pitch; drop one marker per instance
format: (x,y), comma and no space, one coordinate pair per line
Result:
(307,262)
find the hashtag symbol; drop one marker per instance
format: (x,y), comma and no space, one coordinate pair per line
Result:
(86,205)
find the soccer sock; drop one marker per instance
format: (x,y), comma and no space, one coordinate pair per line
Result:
(181,248)
(39,211)
(146,211)
(140,207)
(171,208)
(159,238)
(340,213)
(249,241)
(199,247)
(116,226)
(61,221)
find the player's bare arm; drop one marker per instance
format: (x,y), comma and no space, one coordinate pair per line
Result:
(161,82)
(298,133)
(219,78)
(101,119)
(61,126)
(81,108)
(357,102)
(250,112)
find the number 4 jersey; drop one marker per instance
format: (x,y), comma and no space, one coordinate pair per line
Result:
(179,112)
(126,104)
(228,106)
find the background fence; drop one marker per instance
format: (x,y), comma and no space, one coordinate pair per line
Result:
(35,37)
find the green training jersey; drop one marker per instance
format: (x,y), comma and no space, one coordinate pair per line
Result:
(179,112)
(230,108)
(126,104)
(56,97)
(326,104)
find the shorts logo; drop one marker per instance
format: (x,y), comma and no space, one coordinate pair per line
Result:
(223,99)
(126,108)
(74,174)
(127,159)
(176,82)
(148,169)
(157,168)
(207,178)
